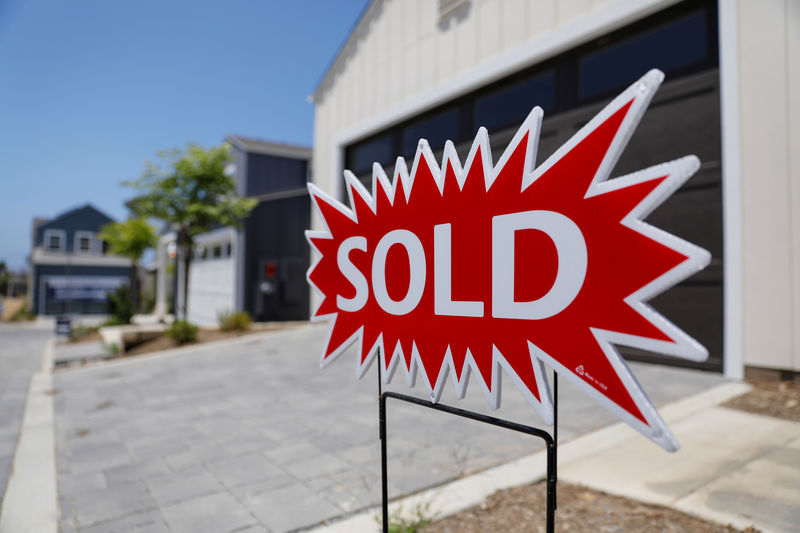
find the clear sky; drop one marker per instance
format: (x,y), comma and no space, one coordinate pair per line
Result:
(91,89)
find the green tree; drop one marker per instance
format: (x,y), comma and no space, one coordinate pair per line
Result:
(130,239)
(192,193)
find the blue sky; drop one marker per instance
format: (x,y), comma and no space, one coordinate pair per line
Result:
(90,90)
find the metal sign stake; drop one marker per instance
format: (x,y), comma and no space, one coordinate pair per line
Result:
(551,443)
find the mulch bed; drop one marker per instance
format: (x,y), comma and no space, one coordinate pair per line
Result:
(584,510)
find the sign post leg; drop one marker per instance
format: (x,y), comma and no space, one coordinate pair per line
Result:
(536,432)
(384,475)
(555,438)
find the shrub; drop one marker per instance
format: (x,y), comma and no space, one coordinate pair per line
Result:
(120,305)
(182,332)
(113,321)
(234,321)
(79,332)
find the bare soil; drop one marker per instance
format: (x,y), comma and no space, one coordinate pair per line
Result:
(162,342)
(580,510)
(780,399)
(584,510)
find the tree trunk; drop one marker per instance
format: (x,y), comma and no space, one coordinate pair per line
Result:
(134,285)
(187,258)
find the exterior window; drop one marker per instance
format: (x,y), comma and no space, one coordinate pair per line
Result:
(217,251)
(84,242)
(675,45)
(228,249)
(54,240)
(361,156)
(510,104)
(436,130)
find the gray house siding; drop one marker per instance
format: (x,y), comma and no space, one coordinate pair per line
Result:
(273,255)
(85,218)
(69,280)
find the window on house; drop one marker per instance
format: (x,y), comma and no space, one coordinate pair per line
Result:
(435,129)
(675,45)
(217,251)
(510,104)
(84,242)
(54,240)
(361,156)
(228,250)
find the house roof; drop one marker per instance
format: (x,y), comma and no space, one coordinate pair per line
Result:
(341,49)
(69,213)
(258,146)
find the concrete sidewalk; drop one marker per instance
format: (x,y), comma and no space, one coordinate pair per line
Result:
(734,468)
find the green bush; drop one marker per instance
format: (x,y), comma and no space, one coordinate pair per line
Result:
(79,332)
(234,321)
(182,332)
(120,305)
(113,321)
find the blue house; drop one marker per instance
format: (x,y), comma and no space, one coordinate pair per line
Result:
(70,270)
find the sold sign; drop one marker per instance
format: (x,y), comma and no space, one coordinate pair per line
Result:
(455,269)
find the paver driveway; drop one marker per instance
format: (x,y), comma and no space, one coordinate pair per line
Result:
(252,436)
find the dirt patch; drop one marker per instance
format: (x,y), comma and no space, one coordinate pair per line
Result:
(162,342)
(580,510)
(780,399)
(89,337)
(584,510)
(11,306)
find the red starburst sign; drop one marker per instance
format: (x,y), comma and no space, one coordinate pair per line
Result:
(452,269)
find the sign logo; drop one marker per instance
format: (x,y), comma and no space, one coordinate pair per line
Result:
(453,270)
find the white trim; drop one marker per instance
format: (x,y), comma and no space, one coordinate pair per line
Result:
(733,325)
(62,234)
(43,257)
(593,24)
(76,249)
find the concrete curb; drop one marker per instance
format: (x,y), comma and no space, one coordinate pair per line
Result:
(31,499)
(458,495)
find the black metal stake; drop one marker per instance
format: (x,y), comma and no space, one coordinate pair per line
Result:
(555,438)
(549,440)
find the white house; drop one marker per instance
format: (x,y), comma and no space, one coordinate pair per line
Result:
(419,68)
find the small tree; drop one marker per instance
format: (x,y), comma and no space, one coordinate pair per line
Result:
(130,239)
(192,193)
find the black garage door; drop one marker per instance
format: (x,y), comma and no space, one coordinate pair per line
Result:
(682,119)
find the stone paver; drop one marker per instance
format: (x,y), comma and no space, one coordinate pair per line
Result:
(211,514)
(21,348)
(253,436)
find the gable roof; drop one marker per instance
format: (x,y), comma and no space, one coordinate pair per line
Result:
(258,146)
(87,209)
(342,48)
